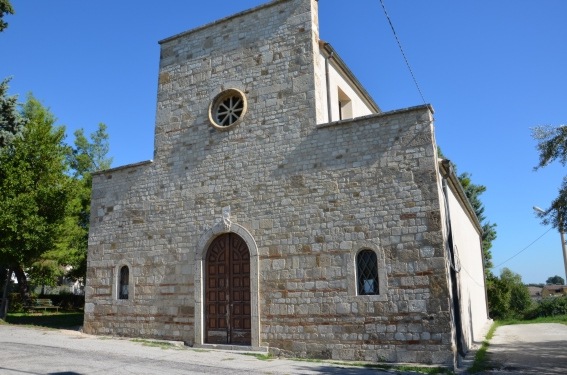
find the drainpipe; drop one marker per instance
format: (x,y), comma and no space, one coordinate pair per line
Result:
(452,271)
(328,83)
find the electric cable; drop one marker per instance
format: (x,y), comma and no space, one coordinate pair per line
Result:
(402,51)
(521,251)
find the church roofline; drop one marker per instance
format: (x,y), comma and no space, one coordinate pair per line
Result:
(376,115)
(127,166)
(222,20)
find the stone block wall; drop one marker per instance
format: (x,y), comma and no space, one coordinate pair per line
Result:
(311,196)
(365,183)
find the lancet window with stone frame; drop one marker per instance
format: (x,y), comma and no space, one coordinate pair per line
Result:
(367,273)
(124,283)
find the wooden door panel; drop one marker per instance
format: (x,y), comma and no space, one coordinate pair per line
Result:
(236,282)
(228,310)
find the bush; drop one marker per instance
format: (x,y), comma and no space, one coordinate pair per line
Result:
(66,301)
(552,306)
(15,304)
(508,297)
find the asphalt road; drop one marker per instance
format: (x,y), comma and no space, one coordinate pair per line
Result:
(518,349)
(26,350)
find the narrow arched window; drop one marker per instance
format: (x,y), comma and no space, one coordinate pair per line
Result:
(367,273)
(123,287)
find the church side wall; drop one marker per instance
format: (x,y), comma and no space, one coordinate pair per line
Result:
(368,183)
(468,250)
(122,202)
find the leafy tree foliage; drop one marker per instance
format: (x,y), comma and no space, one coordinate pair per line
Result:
(90,156)
(9,128)
(555,280)
(508,297)
(86,157)
(552,146)
(552,306)
(45,188)
(34,189)
(11,123)
(5,8)
(473,193)
(68,257)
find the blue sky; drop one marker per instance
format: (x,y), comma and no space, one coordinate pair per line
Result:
(491,69)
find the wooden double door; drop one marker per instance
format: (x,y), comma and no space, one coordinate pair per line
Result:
(227,291)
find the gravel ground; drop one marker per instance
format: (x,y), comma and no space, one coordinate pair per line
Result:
(529,349)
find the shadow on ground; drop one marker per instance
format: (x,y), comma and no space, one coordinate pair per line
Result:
(65,320)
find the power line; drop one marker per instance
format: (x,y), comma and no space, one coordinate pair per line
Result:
(402,51)
(524,249)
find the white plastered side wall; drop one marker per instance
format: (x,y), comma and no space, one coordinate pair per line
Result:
(468,263)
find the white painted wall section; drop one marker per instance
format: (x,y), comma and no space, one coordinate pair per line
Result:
(345,100)
(468,263)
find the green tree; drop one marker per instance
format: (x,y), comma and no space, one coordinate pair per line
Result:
(86,157)
(90,156)
(7,121)
(508,297)
(34,190)
(555,280)
(11,123)
(552,146)
(473,192)
(5,8)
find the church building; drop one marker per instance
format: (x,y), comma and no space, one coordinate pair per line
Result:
(284,211)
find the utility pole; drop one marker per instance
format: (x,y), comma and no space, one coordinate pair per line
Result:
(563,245)
(564,248)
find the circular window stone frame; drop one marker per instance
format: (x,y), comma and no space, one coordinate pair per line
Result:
(228,109)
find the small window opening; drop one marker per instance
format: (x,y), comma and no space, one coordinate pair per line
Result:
(345,106)
(367,273)
(123,287)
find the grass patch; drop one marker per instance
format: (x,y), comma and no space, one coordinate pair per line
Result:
(260,356)
(481,358)
(66,320)
(156,344)
(561,319)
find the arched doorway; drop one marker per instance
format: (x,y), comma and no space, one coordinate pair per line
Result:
(227,291)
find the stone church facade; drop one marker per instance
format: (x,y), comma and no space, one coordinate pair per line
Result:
(283,209)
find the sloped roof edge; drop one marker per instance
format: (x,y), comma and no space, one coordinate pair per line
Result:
(455,185)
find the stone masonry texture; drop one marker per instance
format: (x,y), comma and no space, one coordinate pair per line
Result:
(311,196)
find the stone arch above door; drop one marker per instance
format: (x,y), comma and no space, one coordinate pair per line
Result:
(203,245)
